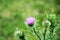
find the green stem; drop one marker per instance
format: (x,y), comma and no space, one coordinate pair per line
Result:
(50,35)
(44,33)
(36,34)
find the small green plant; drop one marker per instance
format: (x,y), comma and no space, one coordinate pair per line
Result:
(49,27)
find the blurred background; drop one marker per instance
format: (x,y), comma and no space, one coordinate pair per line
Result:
(13,13)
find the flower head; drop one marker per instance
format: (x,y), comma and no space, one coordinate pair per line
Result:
(30,21)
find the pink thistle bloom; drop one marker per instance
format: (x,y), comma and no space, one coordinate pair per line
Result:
(30,21)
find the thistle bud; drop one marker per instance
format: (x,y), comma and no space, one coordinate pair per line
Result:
(18,32)
(46,23)
(52,17)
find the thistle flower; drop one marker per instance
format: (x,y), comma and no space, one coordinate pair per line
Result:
(30,21)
